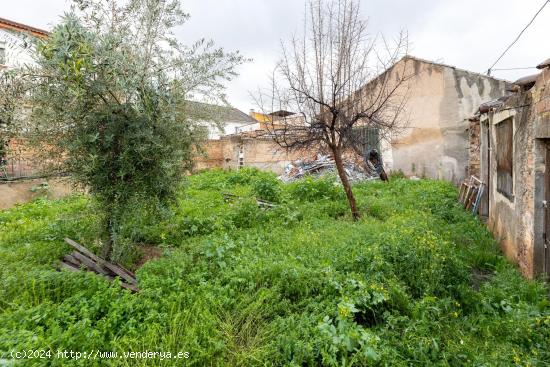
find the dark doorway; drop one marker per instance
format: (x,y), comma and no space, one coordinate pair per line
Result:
(485,168)
(546,204)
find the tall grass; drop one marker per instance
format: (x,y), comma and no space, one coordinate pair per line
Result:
(417,281)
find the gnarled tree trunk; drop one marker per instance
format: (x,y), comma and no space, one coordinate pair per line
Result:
(337,154)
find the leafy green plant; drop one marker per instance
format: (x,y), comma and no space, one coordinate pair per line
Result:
(267,189)
(310,189)
(110,104)
(286,286)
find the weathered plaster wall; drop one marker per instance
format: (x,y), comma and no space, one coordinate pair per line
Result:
(18,192)
(440,101)
(261,153)
(17,54)
(519,223)
(540,112)
(511,219)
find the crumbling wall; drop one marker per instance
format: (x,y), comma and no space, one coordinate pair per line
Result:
(265,154)
(511,219)
(474,153)
(259,152)
(440,100)
(210,156)
(518,222)
(541,123)
(22,160)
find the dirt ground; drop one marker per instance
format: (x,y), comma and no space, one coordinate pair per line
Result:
(17,192)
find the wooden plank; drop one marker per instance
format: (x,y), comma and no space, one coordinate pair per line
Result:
(467,196)
(471,198)
(126,270)
(130,287)
(71,260)
(268,204)
(121,273)
(71,267)
(260,202)
(115,269)
(462,192)
(90,264)
(65,266)
(83,250)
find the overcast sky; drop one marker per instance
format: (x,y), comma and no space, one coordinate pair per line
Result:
(469,34)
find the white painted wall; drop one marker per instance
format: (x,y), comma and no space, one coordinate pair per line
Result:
(228,128)
(17,48)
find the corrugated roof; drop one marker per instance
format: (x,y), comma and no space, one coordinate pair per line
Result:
(527,81)
(544,64)
(10,24)
(492,104)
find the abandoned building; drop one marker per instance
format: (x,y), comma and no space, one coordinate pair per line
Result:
(433,144)
(510,151)
(248,144)
(440,99)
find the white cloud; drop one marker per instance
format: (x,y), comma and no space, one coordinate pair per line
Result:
(469,34)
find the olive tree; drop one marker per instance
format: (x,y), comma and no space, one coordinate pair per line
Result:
(108,97)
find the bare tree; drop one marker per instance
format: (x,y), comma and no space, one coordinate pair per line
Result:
(336,80)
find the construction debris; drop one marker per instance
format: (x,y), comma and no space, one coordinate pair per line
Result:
(321,166)
(84,259)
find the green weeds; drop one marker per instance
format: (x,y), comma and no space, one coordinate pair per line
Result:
(417,281)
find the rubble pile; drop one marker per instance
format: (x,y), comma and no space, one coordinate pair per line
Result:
(320,166)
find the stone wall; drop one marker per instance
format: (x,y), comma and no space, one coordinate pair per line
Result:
(259,152)
(474,154)
(22,160)
(517,222)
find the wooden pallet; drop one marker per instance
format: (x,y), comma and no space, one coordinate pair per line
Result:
(83,259)
(470,194)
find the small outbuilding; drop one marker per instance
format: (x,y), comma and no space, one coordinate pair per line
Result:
(513,149)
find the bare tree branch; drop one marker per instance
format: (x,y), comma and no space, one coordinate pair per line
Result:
(336,81)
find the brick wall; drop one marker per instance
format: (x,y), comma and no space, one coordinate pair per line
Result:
(22,160)
(260,152)
(474,152)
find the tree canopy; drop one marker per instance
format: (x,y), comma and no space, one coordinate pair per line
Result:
(108,94)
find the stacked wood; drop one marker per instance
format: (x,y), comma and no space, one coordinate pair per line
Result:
(470,194)
(84,259)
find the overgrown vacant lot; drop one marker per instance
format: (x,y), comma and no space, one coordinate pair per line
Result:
(416,281)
